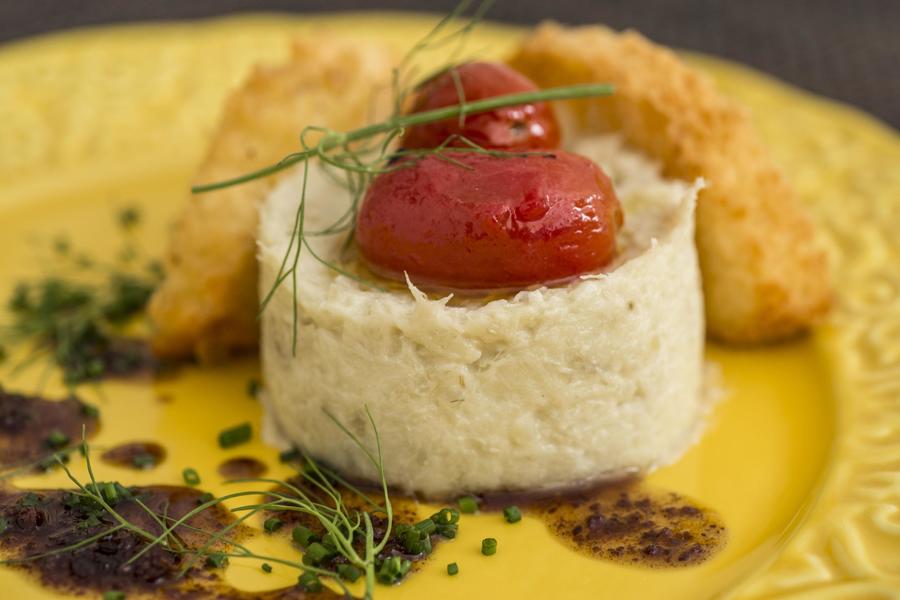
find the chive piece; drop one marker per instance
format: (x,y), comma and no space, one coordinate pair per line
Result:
(348,573)
(57,439)
(273,524)
(267,568)
(512,514)
(4,524)
(452,569)
(90,411)
(468,504)
(309,582)
(204,498)
(143,461)
(446,516)
(190,476)
(113,595)
(316,553)
(392,570)
(234,436)
(289,455)
(426,526)
(303,536)
(489,546)
(448,531)
(216,560)
(252,388)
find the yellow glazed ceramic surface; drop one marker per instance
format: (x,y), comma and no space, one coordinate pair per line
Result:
(802,456)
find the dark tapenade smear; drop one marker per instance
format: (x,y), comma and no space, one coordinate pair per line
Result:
(32,428)
(47,522)
(627,522)
(135,455)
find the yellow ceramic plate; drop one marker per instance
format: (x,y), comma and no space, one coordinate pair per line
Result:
(802,458)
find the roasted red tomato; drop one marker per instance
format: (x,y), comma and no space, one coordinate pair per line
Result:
(515,128)
(498,223)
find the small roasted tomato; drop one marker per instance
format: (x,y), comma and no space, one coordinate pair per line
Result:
(514,128)
(481,222)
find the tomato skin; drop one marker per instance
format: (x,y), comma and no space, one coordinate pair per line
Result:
(514,128)
(506,222)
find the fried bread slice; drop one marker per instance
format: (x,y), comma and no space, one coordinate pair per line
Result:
(207,305)
(765,277)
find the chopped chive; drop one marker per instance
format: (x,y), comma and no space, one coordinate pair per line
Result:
(273,524)
(204,498)
(392,570)
(234,436)
(468,504)
(216,560)
(309,582)
(290,455)
(489,546)
(252,388)
(446,516)
(90,411)
(113,595)
(426,526)
(512,514)
(190,476)
(57,439)
(316,553)
(143,461)
(452,569)
(303,536)
(348,573)
(267,568)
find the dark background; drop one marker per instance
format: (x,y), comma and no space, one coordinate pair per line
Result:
(846,49)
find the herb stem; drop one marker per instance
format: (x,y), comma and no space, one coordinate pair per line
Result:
(331,140)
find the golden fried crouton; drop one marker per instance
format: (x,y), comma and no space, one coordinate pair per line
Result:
(764,276)
(207,305)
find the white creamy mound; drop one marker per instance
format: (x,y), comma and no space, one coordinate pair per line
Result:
(549,388)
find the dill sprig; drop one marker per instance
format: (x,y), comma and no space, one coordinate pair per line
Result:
(354,157)
(351,533)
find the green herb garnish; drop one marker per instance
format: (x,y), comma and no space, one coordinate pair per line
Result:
(235,436)
(266,567)
(217,560)
(309,582)
(468,504)
(253,388)
(113,595)
(273,524)
(348,573)
(393,569)
(452,569)
(190,477)
(56,440)
(489,546)
(303,536)
(512,514)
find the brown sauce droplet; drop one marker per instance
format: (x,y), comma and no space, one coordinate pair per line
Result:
(626,522)
(28,423)
(135,455)
(242,467)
